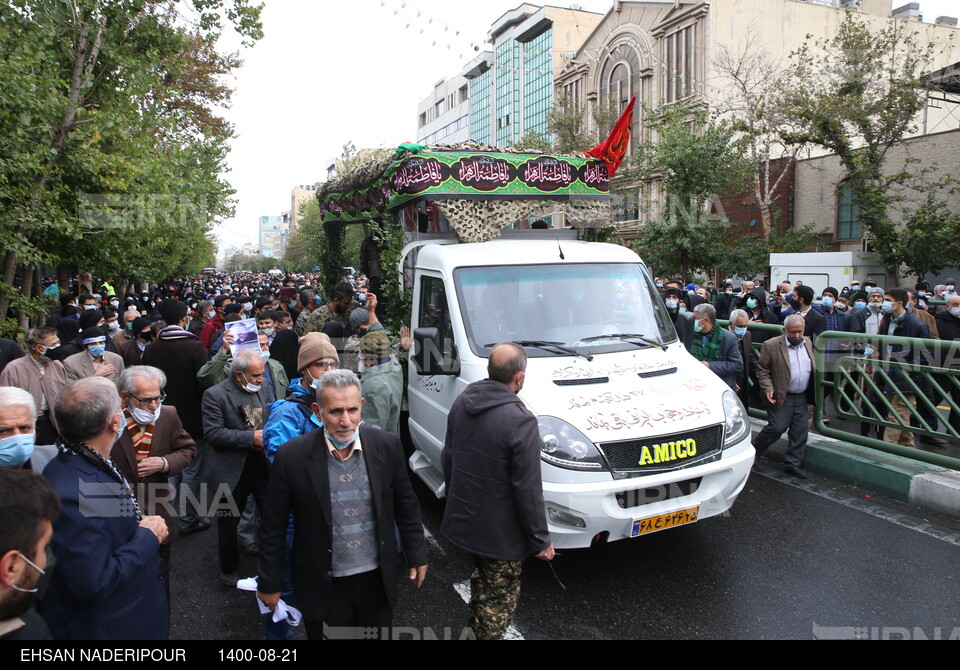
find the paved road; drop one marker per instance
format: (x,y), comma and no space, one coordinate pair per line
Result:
(793,560)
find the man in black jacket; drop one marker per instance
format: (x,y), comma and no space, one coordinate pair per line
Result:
(899,322)
(495,509)
(351,498)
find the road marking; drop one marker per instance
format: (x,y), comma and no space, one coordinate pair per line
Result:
(873,509)
(463,588)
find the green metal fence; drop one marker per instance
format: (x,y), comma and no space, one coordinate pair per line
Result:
(923,374)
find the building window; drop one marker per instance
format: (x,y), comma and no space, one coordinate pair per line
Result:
(464,94)
(848,214)
(423,119)
(441,107)
(679,65)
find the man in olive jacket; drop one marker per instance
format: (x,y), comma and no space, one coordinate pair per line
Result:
(495,510)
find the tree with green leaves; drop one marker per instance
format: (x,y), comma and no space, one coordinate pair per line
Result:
(111,150)
(857,95)
(694,157)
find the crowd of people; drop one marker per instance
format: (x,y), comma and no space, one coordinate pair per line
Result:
(149,414)
(255,401)
(786,392)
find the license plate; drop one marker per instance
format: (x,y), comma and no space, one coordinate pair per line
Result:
(663,521)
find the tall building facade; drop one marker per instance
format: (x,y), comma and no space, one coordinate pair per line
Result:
(443,117)
(271,231)
(665,53)
(511,87)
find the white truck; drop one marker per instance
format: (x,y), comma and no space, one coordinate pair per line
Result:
(636,435)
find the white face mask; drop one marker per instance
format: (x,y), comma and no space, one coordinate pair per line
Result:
(144,416)
(248,387)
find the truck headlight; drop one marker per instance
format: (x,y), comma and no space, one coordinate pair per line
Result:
(736,424)
(564,446)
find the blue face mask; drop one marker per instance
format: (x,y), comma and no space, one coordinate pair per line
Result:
(886,307)
(671,304)
(97,351)
(16,450)
(795,341)
(337,443)
(682,309)
(697,327)
(827,301)
(751,303)
(739,332)
(859,304)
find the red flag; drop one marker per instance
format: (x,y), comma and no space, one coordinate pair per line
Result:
(613,150)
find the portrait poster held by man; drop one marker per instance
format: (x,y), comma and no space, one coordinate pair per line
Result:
(107,584)
(351,498)
(495,510)
(28,506)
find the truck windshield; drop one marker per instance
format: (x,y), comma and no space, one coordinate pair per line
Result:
(597,307)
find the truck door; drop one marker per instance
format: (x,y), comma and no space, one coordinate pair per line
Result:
(430,396)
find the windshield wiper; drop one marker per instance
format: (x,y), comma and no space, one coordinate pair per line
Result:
(547,346)
(628,337)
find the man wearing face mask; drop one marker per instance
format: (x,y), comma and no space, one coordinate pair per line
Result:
(949,289)
(898,321)
(785,375)
(107,584)
(95,361)
(739,323)
(41,377)
(673,299)
(218,368)
(153,448)
(28,506)
(714,347)
(348,489)
(234,414)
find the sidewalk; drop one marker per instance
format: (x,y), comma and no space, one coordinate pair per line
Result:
(923,485)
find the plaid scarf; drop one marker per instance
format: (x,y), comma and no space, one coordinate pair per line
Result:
(711,350)
(142,436)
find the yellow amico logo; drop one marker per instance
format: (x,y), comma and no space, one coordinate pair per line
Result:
(668,451)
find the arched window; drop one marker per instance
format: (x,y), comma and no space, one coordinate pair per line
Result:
(620,79)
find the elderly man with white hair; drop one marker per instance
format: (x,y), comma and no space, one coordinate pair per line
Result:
(153,448)
(18,418)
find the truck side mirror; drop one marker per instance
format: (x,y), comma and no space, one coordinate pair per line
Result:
(429,356)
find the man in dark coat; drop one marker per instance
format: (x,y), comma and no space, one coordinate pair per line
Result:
(234,413)
(107,583)
(714,347)
(491,468)
(899,322)
(351,498)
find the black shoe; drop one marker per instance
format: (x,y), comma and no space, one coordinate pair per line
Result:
(934,441)
(250,549)
(195,527)
(794,471)
(229,580)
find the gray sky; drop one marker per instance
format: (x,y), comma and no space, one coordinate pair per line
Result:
(330,72)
